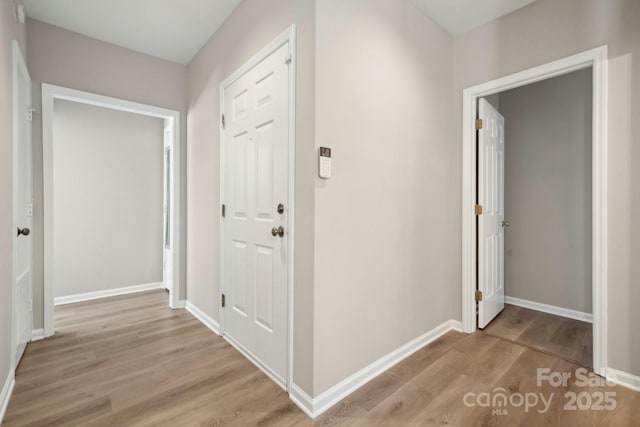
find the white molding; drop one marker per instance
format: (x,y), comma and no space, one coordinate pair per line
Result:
(181,304)
(551,309)
(302,400)
(209,322)
(596,58)
(624,379)
(5,394)
(287,36)
(37,335)
(316,406)
(456,325)
(171,118)
(107,293)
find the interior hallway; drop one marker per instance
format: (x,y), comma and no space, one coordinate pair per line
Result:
(130,360)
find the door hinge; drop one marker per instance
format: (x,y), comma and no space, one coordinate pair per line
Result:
(478,209)
(222,121)
(478,296)
(287,59)
(223,301)
(30,112)
(223,210)
(479,124)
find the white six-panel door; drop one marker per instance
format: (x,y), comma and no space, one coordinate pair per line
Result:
(255,182)
(490,222)
(23,209)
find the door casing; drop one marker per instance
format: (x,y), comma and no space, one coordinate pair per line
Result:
(288,36)
(597,59)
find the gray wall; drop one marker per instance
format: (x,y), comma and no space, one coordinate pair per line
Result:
(9,30)
(252,26)
(68,59)
(108,198)
(548,30)
(548,191)
(385,263)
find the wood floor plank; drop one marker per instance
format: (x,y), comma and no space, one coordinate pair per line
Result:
(563,337)
(132,361)
(512,321)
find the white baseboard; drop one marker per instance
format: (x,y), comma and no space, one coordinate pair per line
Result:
(624,379)
(71,299)
(181,304)
(37,334)
(302,400)
(456,325)
(551,309)
(5,394)
(203,317)
(316,406)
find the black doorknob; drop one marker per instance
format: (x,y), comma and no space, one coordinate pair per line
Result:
(24,231)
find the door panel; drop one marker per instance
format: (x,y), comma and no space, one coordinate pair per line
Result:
(239,291)
(490,229)
(255,181)
(264,287)
(23,215)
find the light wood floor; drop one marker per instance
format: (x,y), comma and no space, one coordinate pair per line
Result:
(567,338)
(132,361)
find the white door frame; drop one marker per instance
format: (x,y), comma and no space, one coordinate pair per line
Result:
(172,118)
(597,59)
(288,36)
(19,66)
(167,213)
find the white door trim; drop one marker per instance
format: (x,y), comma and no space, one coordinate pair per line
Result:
(19,66)
(288,36)
(597,59)
(171,118)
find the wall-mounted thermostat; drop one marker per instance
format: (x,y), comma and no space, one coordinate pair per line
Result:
(324,168)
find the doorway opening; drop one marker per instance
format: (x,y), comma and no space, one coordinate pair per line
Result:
(167,196)
(472,295)
(543,223)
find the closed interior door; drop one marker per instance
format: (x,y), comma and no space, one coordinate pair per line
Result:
(23,214)
(490,222)
(255,184)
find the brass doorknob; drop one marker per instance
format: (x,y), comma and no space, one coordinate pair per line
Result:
(505,224)
(277,231)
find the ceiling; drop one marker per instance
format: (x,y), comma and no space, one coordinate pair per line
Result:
(460,16)
(176,29)
(169,29)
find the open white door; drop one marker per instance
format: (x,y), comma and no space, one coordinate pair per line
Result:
(22,207)
(491,219)
(255,219)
